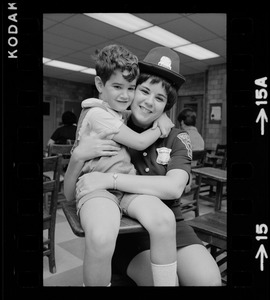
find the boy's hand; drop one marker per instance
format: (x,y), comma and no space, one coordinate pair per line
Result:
(94,145)
(165,125)
(90,182)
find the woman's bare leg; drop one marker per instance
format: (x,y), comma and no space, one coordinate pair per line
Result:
(197,267)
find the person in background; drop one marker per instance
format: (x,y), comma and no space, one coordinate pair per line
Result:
(67,131)
(187,121)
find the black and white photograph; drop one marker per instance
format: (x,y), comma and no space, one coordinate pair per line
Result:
(181,59)
(135,150)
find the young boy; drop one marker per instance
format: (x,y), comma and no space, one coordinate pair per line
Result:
(99,211)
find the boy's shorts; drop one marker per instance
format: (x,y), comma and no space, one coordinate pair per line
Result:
(114,195)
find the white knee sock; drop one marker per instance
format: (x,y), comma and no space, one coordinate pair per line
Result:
(164,275)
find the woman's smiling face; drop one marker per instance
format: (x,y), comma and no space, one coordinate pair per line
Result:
(148,104)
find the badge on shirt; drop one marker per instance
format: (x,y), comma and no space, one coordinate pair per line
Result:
(185,139)
(163,155)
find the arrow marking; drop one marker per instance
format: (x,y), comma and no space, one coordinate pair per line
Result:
(261,253)
(263,117)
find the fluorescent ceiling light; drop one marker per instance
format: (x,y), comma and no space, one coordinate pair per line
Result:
(196,51)
(89,71)
(124,21)
(162,37)
(64,65)
(45,60)
(68,66)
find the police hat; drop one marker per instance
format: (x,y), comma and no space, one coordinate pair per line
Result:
(164,62)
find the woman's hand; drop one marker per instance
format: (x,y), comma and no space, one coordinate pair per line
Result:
(94,145)
(90,182)
(165,125)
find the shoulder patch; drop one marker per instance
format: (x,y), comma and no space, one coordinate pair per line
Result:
(185,139)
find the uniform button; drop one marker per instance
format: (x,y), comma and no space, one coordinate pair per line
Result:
(144,153)
(147,170)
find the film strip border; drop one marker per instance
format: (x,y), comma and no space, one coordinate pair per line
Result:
(248,188)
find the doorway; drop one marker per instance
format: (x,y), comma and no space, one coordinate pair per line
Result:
(196,103)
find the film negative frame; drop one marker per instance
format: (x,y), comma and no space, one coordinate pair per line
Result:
(248,150)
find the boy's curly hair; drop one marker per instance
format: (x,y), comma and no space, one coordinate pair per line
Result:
(114,57)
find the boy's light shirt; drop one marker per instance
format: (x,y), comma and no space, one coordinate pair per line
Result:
(97,119)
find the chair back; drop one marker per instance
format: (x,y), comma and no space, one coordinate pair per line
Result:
(221,150)
(198,158)
(64,150)
(53,165)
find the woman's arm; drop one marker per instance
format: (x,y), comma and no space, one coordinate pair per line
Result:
(90,146)
(141,141)
(170,186)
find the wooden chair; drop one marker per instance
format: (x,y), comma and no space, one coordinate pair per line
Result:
(198,158)
(191,203)
(218,160)
(50,188)
(128,225)
(64,150)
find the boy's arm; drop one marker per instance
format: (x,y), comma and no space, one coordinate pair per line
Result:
(134,140)
(141,141)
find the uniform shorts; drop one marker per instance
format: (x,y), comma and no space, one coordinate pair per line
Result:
(128,246)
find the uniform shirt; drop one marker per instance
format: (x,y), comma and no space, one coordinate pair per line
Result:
(146,162)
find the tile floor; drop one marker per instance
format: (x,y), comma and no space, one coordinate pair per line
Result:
(69,251)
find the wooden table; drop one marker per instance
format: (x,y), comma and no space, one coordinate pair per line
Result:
(211,228)
(220,176)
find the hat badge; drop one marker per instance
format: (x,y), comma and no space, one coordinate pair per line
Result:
(165,62)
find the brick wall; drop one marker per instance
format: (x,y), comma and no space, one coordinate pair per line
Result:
(212,85)
(63,90)
(216,93)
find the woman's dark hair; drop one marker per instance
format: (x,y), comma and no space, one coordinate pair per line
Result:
(170,90)
(69,118)
(188,116)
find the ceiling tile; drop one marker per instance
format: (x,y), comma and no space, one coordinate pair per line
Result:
(58,17)
(47,23)
(75,37)
(189,30)
(218,46)
(55,49)
(62,41)
(215,23)
(94,26)
(76,34)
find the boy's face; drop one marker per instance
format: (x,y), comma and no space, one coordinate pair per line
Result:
(149,103)
(117,91)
